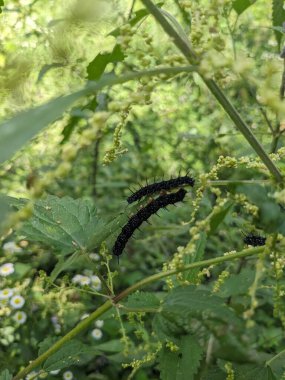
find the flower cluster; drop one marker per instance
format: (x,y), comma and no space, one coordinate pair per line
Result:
(88,279)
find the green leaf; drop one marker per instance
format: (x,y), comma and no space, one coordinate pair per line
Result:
(191,275)
(17,131)
(97,67)
(1,5)
(219,216)
(176,25)
(237,284)
(167,330)
(64,223)
(182,364)
(214,373)
(187,302)
(45,69)
(71,353)
(69,128)
(277,364)
(46,344)
(63,264)
(5,375)
(4,210)
(142,300)
(21,270)
(253,372)
(111,346)
(278,17)
(271,216)
(137,17)
(241,5)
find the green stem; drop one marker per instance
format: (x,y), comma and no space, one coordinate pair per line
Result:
(108,304)
(112,80)
(192,58)
(238,182)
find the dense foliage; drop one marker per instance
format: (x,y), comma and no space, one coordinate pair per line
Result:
(98,100)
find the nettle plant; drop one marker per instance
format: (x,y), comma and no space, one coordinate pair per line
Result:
(194,318)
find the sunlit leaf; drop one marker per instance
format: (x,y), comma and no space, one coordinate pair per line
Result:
(97,67)
(64,223)
(241,5)
(17,131)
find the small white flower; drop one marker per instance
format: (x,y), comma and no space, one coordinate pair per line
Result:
(99,323)
(6,269)
(20,317)
(17,302)
(77,278)
(11,247)
(96,282)
(84,280)
(67,375)
(32,375)
(94,256)
(55,372)
(6,293)
(96,334)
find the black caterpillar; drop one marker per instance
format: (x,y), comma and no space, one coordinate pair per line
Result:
(142,215)
(159,186)
(254,240)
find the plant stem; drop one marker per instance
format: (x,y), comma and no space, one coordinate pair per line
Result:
(238,182)
(82,325)
(277,132)
(112,80)
(192,58)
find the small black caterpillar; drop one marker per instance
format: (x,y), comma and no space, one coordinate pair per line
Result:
(254,240)
(142,215)
(159,186)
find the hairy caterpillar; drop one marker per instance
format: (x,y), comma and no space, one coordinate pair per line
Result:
(254,240)
(159,186)
(143,215)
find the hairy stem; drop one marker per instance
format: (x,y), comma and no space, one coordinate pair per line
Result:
(238,182)
(192,58)
(84,324)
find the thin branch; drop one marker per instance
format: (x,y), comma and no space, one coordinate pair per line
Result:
(238,182)
(131,9)
(277,133)
(95,167)
(185,15)
(262,110)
